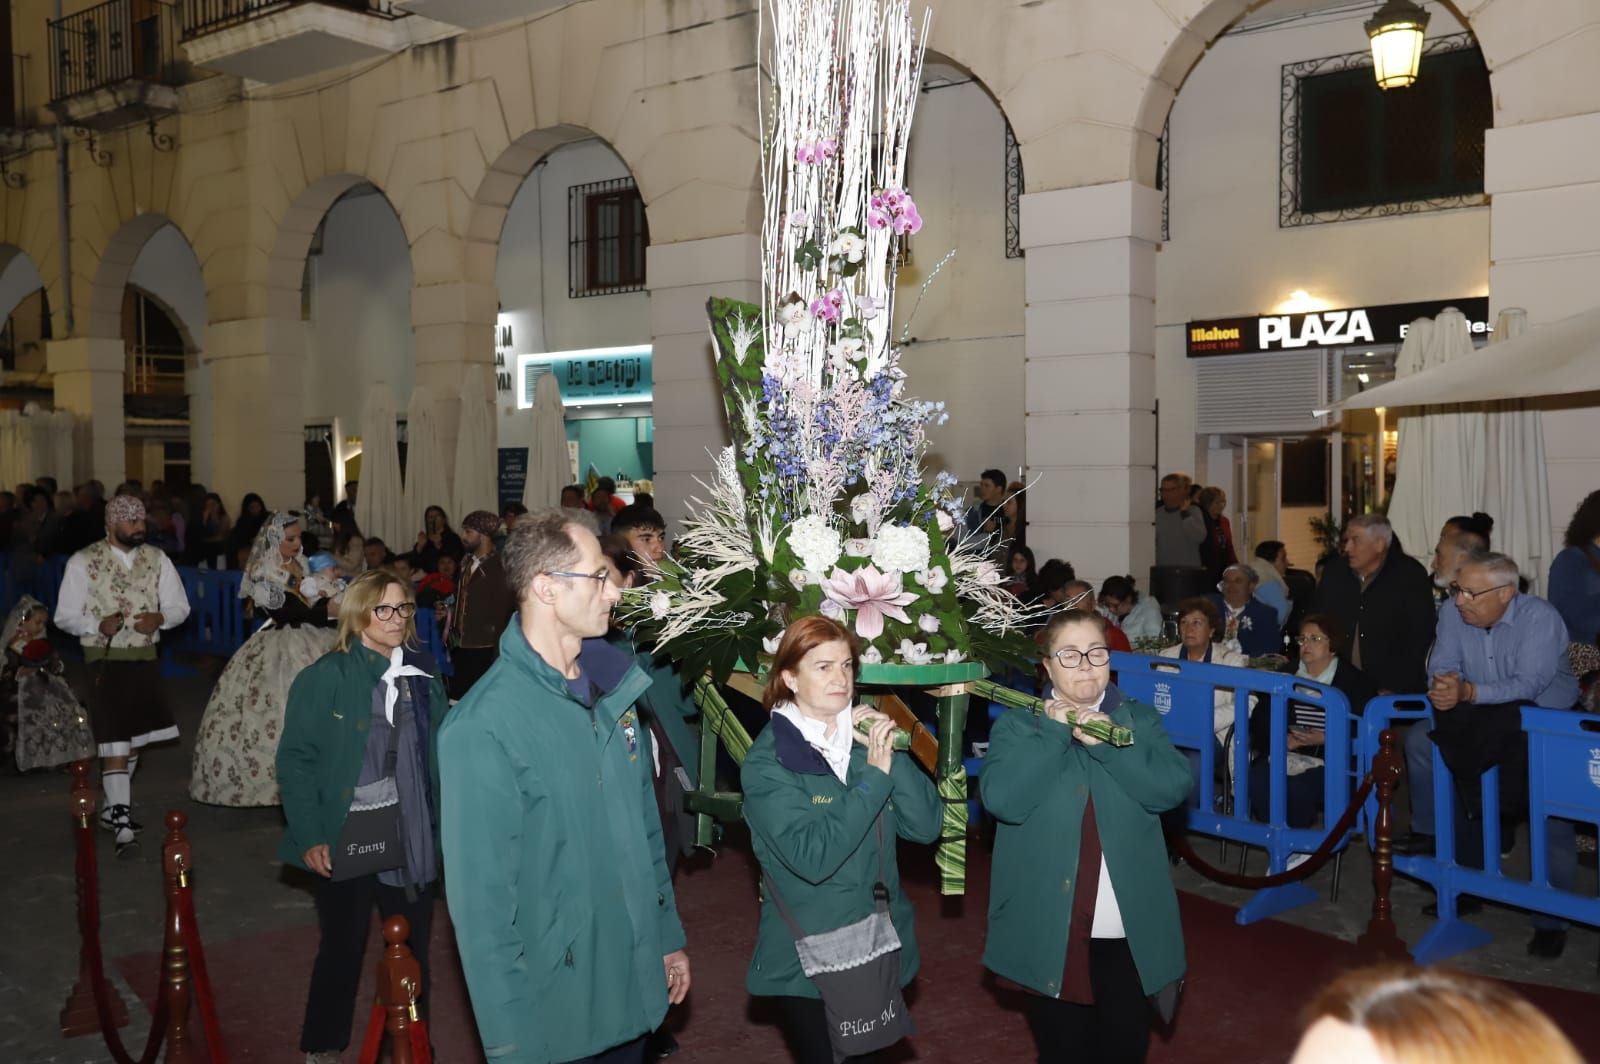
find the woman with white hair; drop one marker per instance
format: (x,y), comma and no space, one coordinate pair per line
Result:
(1247,622)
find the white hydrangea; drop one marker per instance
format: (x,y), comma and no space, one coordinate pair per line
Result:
(814,543)
(900,548)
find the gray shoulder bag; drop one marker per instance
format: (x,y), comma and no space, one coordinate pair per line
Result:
(856,969)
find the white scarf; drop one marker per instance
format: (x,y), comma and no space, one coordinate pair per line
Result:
(391,680)
(835,750)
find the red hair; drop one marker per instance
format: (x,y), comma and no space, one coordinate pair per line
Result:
(799,639)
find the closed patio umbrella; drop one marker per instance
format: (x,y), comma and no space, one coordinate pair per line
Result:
(475,485)
(380,503)
(425,483)
(548,468)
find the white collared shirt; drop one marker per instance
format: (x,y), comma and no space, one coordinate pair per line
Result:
(835,750)
(72,614)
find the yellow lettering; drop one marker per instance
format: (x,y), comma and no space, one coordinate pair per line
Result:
(821,799)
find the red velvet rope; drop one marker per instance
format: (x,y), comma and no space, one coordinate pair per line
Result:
(89,929)
(421,1051)
(201,979)
(373,1042)
(1295,875)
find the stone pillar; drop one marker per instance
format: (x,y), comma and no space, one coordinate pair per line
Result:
(197,386)
(1090,346)
(689,418)
(257,370)
(454,326)
(1544,250)
(88,376)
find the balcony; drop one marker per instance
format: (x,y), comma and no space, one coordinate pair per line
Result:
(279,40)
(473,14)
(115,63)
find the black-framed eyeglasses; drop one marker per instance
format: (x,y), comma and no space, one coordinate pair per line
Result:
(404,610)
(1071,657)
(1457,591)
(599,576)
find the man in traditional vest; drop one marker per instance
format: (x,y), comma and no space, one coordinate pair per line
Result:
(117,596)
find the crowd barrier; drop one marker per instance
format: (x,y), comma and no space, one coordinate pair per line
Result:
(217,625)
(1183,692)
(1563,783)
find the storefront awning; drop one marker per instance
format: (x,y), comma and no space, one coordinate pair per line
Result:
(1558,359)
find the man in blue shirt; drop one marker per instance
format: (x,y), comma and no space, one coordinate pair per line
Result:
(1496,650)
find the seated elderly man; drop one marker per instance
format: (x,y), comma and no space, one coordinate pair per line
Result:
(1246,619)
(1497,650)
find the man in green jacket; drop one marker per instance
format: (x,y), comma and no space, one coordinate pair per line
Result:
(563,907)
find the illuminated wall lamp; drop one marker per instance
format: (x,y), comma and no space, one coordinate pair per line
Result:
(1396,32)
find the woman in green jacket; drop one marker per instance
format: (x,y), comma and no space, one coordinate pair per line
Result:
(1081,906)
(814,788)
(375,691)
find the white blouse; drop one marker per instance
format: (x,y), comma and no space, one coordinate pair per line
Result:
(834,750)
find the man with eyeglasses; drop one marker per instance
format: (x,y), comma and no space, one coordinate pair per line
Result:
(560,894)
(1497,650)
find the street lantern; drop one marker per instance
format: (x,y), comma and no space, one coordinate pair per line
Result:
(1396,32)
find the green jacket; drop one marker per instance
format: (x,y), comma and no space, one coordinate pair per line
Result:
(1036,783)
(670,701)
(816,838)
(325,740)
(559,892)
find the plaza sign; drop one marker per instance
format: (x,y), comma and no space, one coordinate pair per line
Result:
(1387,324)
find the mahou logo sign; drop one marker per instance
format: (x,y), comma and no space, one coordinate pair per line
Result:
(1386,324)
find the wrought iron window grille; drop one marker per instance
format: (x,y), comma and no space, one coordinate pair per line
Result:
(607,234)
(1014,188)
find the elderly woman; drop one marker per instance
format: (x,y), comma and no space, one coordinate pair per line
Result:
(1217,552)
(1082,911)
(359,738)
(825,804)
(1247,622)
(1322,645)
(1199,635)
(1137,616)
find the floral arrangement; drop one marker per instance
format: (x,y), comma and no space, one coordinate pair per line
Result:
(821,505)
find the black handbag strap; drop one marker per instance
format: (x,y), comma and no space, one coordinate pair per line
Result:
(880,892)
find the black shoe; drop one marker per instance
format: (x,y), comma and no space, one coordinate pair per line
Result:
(1413,844)
(1547,942)
(1466,905)
(661,1045)
(127,844)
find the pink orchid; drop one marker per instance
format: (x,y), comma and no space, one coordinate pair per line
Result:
(873,595)
(805,153)
(828,147)
(877,200)
(877,218)
(824,308)
(836,297)
(902,224)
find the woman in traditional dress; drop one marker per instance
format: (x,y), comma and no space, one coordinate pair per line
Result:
(238,741)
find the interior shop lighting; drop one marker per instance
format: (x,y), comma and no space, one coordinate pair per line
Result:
(1300,302)
(1396,32)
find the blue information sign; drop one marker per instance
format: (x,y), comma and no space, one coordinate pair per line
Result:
(513,474)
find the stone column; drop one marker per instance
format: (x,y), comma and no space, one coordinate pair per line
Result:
(688,410)
(454,326)
(88,377)
(1090,347)
(1544,250)
(257,371)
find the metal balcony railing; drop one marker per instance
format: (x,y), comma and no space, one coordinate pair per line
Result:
(113,42)
(201,17)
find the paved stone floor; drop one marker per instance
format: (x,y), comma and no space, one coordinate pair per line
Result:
(243,892)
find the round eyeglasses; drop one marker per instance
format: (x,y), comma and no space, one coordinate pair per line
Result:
(386,612)
(1071,658)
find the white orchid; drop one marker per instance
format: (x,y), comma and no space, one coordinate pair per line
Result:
(792,314)
(954,657)
(770,643)
(914,653)
(800,579)
(848,246)
(946,523)
(858,548)
(934,579)
(831,610)
(871,656)
(928,623)
(864,508)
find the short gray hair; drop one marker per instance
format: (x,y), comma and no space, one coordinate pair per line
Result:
(1377,524)
(1249,573)
(1500,566)
(541,543)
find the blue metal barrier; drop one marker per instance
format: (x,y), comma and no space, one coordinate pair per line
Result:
(216,625)
(1183,692)
(1563,782)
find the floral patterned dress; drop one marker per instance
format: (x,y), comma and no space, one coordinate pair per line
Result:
(237,746)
